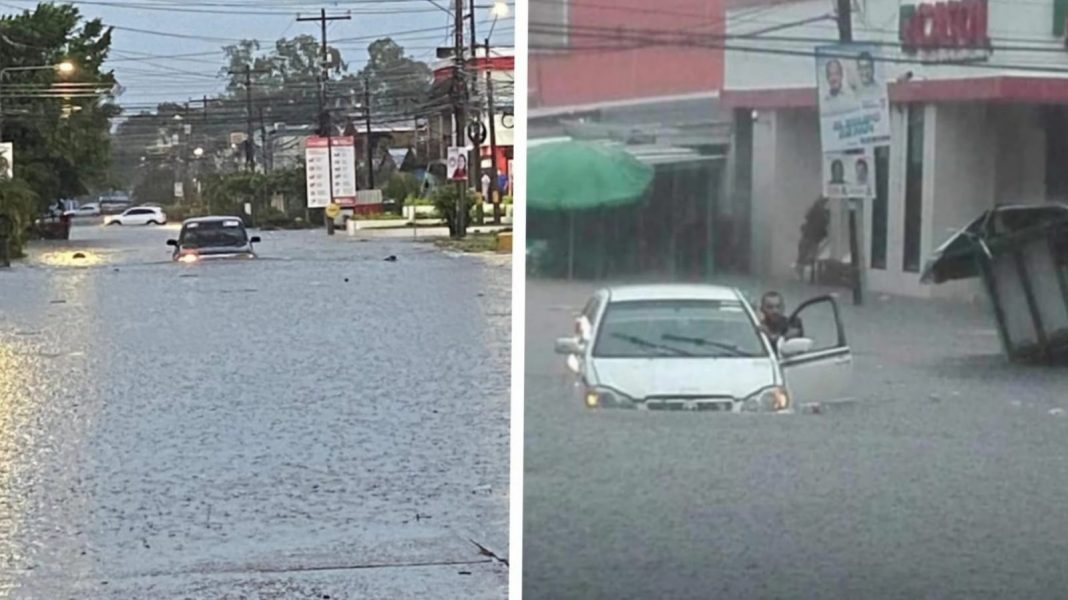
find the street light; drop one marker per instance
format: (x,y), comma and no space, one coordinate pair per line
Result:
(499,11)
(198,152)
(64,68)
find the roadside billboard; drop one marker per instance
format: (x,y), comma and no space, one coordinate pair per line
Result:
(854,102)
(320,154)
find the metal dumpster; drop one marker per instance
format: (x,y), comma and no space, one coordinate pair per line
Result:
(1021,253)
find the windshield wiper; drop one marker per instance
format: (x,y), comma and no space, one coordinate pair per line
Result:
(734,350)
(637,341)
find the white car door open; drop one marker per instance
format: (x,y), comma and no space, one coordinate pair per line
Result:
(823,373)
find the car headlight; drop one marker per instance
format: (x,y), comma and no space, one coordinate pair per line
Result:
(771,399)
(188,258)
(602,397)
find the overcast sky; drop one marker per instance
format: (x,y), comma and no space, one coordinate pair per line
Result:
(171,50)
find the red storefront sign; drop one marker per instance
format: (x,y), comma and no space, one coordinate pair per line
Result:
(959,24)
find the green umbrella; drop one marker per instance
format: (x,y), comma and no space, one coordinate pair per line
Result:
(572,176)
(575,175)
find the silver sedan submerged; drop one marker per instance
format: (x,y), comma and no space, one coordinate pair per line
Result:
(700,348)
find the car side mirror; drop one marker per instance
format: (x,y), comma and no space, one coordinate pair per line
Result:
(796,347)
(254,239)
(172,243)
(569,346)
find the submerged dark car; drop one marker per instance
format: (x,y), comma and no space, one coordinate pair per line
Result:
(211,238)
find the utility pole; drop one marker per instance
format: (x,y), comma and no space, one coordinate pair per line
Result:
(324,113)
(491,117)
(266,146)
(845,36)
(370,141)
(474,38)
(845,20)
(475,160)
(459,86)
(250,158)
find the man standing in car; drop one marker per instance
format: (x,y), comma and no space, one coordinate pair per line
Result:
(774,322)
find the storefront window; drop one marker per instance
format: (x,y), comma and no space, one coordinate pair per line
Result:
(879,210)
(914,189)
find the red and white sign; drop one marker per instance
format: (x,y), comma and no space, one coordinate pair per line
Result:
(955,30)
(320,153)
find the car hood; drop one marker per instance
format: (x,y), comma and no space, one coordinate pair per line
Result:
(646,377)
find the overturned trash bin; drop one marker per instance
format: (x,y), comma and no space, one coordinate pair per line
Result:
(1021,253)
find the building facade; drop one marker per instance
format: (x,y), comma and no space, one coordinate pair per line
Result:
(990,128)
(579,53)
(500,66)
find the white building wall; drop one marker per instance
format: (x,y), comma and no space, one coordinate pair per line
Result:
(965,152)
(975,153)
(1021,161)
(786,182)
(1012,24)
(963,176)
(765,192)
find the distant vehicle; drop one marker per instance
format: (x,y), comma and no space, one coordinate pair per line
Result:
(139,215)
(213,238)
(700,348)
(113,204)
(86,210)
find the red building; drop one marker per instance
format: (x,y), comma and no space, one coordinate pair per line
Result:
(576,60)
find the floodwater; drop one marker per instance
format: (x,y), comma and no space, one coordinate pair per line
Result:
(945,480)
(316,423)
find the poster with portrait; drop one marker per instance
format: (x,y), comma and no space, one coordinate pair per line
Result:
(854,101)
(457,165)
(849,174)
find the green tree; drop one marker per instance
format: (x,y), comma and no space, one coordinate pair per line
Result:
(61,143)
(285,79)
(155,184)
(401,186)
(398,83)
(18,202)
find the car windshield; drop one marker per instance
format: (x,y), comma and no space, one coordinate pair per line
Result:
(677,328)
(213,235)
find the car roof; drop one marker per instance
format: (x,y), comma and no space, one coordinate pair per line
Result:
(674,291)
(213,219)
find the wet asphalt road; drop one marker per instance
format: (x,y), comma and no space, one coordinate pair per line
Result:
(261,429)
(949,480)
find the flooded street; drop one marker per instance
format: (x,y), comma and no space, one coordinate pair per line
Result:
(946,480)
(317,423)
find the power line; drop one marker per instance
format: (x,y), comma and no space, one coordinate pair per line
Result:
(662,39)
(670,37)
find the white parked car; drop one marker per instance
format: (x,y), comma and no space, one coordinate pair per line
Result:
(700,348)
(139,215)
(86,210)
